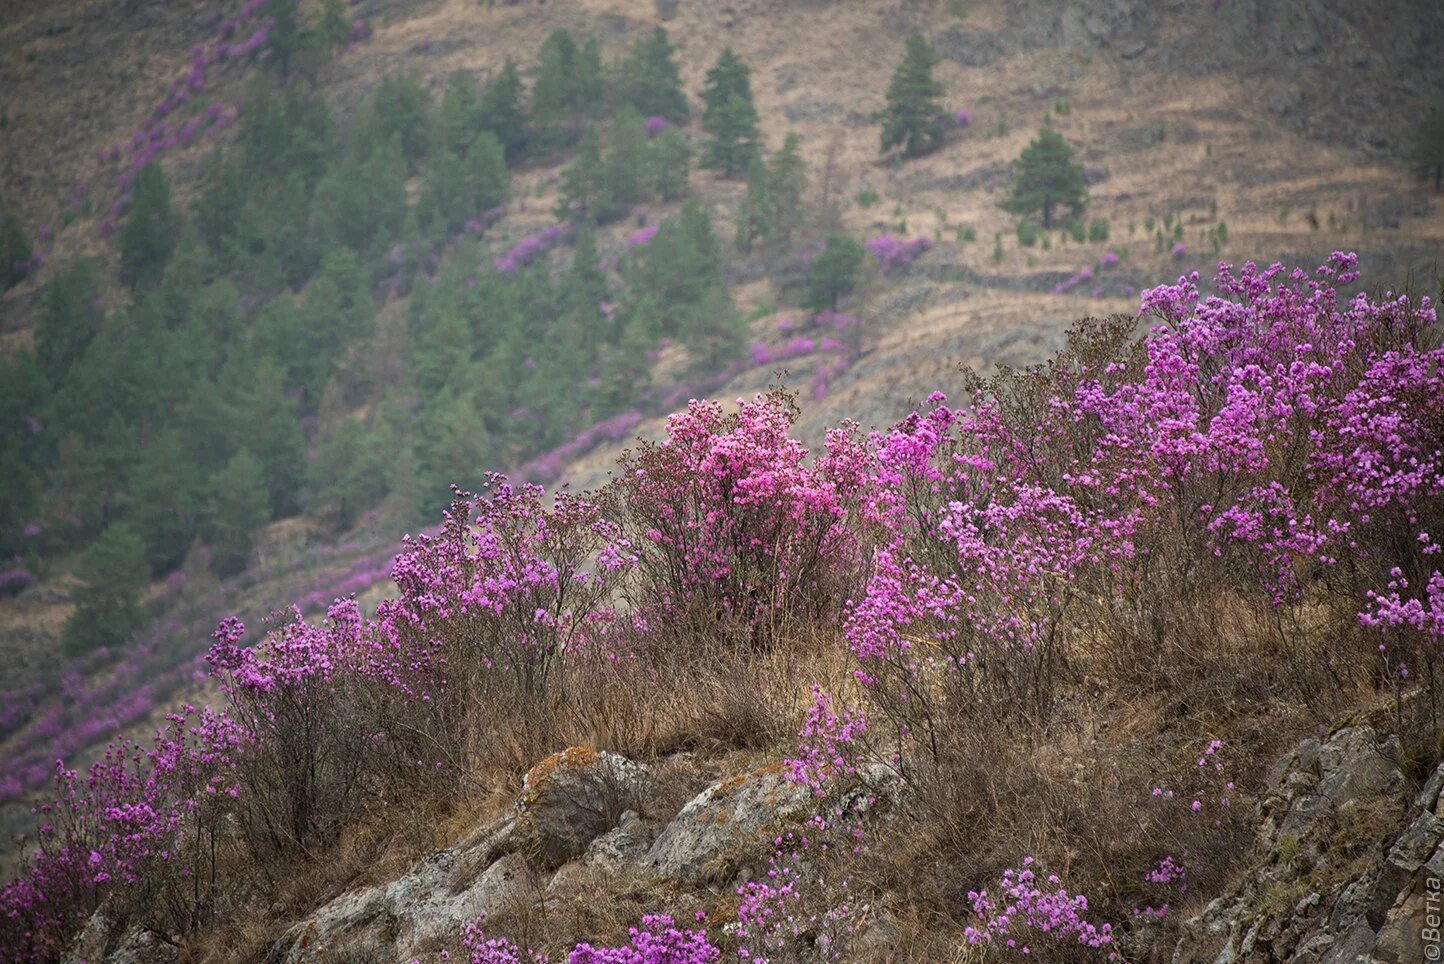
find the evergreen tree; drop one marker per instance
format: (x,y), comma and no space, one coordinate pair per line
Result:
(912,119)
(754,218)
(501,111)
(585,197)
(71,316)
(14,249)
(25,453)
(164,494)
(113,572)
(459,187)
(402,110)
(650,80)
(668,165)
(149,234)
(833,273)
(349,473)
(730,117)
(262,420)
(786,186)
(240,505)
(1428,148)
(452,446)
(362,203)
(459,118)
(1047,177)
(628,148)
(568,84)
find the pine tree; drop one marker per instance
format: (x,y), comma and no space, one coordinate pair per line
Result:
(149,233)
(70,317)
(786,185)
(668,164)
(113,572)
(651,82)
(164,493)
(833,273)
(755,217)
(912,119)
(730,117)
(501,111)
(568,83)
(1047,177)
(1428,148)
(584,196)
(626,162)
(14,250)
(459,119)
(239,506)
(402,109)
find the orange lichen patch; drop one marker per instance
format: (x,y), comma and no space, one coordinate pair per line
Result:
(730,784)
(572,758)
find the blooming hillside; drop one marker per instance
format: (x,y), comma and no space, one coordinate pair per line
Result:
(1060,625)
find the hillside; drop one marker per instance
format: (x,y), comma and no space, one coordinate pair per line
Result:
(414,354)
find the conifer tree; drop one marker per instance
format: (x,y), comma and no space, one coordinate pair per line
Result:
(70,317)
(755,217)
(112,572)
(239,505)
(786,185)
(730,117)
(149,234)
(501,111)
(832,275)
(164,493)
(651,82)
(14,249)
(584,196)
(1047,177)
(402,108)
(459,118)
(568,83)
(912,119)
(626,164)
(1428,148)
(668,165)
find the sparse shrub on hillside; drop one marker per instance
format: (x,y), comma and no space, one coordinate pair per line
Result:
(893,253)
(1046,178)
(730,117)
(913,118)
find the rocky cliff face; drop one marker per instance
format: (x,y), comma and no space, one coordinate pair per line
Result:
(1350,864)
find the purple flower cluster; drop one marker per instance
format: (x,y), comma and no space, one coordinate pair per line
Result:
(530,248)
(894,253)
(1023,917)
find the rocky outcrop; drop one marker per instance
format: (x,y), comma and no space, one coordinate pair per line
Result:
(422,910)
(725,823)
(571,798)
(1339,882)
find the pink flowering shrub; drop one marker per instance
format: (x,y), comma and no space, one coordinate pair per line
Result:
(893,253)
(293,703)
(1236,446)
(141,826)
(734,526)
(1027,914)
(657,941)
(828,745)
